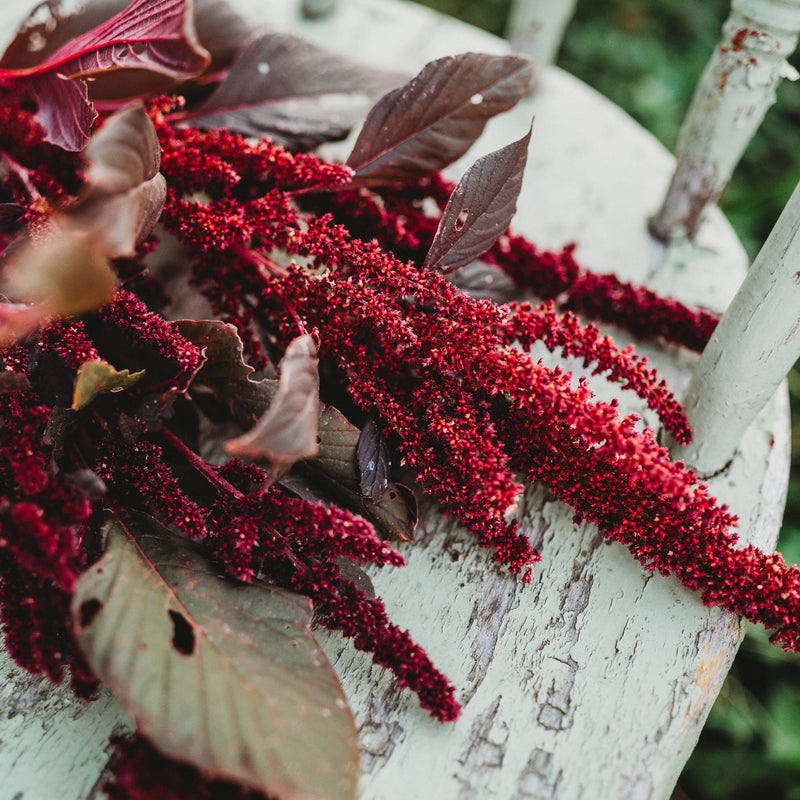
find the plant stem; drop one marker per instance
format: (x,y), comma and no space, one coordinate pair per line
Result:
(201,466)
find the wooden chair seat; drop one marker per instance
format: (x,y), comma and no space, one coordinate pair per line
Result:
(595,680)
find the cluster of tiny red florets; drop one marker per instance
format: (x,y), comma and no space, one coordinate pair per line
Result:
(401,221)
(470,410)
(565,332)
(42,520)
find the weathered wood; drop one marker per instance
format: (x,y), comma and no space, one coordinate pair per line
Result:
(751,351)
(536,28)
(736,90)
(595,680)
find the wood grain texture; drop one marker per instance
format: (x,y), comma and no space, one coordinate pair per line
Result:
(595,680)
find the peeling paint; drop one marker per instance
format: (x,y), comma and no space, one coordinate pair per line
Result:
(556,712)
(494,599)
(380,732)
(482,753)
(537,781)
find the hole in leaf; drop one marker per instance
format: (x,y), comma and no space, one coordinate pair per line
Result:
(182,635)
(89,610)
(137,48)
(461,219)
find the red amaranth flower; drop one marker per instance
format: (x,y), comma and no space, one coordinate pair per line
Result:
(298,543)
(138,333)
(136,472)
(437,367)
(42,521)
(527,325)
(67,338)
(557,276)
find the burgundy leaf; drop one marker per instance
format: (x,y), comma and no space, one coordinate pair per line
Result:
(124,153)
(432,120)
(482,281)
(397,513)
(225,372)
(480,208)
(274,88)
(50,26)
(373,461)
(124,192)
(14,382)
(155,35)
(288,430)
(63,109)
(221,30)
(152,35)
(120,222)
(336,468)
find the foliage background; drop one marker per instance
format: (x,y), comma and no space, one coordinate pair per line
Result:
(646,56)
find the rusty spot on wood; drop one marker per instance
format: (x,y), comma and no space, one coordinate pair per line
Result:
(738,40)
(715,659)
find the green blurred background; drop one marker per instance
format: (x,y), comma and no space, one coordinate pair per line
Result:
(647,56)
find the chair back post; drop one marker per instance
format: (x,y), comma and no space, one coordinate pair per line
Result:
(751,351)
(536,28)
(734,93)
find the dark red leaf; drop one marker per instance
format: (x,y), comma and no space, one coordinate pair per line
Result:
(483,281)
(373,461)
(225,372)
(124,153)
(288,430)
(336,468)
(152,35)
(432,120)
(63,109)
(480,208)
(156,35)
(221,30)
(353,573)
(124,192)
(274,89)
(50,26)
(14,382)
